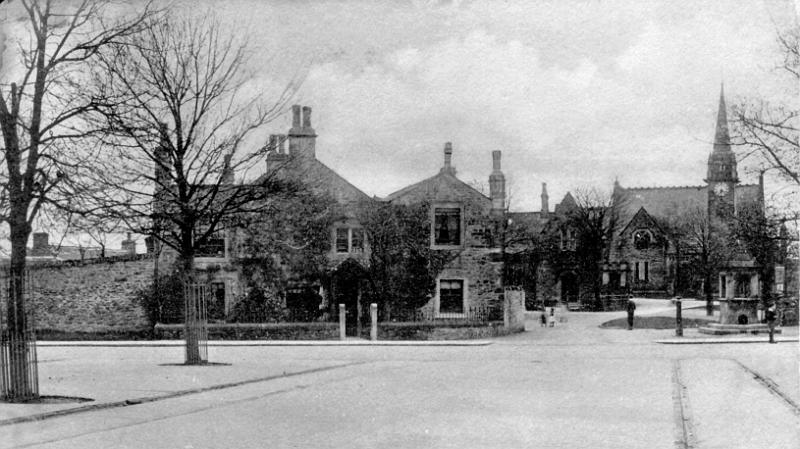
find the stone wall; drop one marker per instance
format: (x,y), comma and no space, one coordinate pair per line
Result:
(480,270)
(514,310)
(91,297)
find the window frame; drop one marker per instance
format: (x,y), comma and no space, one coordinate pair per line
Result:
(461,222)
(218,234)
(650,239)
(351,249)
(464,297)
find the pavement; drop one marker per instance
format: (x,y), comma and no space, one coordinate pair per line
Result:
(575,385)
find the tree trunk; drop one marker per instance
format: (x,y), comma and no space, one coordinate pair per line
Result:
(22,383)
(192,321)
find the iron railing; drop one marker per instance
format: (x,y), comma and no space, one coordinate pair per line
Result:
(19,377)
(196,323)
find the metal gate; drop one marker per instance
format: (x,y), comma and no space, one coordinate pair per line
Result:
(19,377)
(196,323)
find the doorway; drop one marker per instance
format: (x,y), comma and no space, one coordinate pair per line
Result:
(347,287)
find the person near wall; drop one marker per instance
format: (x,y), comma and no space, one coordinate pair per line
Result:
(552,317)
(544,318)
(630,308)
(771,316)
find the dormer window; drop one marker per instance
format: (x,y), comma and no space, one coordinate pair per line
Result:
(447,226)
(642,239)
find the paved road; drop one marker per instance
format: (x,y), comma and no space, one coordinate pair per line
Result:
(572,386)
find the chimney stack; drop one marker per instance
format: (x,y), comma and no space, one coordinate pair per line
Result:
(272,144)
(282,143)
(545,199)
(296,116)
(227,171)
(448,156)
(129,245)
(497,185)
(302,138)
(41,244)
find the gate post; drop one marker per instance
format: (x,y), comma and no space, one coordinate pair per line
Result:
(373,315)
(342,323)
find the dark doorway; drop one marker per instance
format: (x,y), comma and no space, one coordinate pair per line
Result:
(216,302)
(569,287)
(347,288)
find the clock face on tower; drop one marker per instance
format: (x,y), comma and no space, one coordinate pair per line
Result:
(720,189)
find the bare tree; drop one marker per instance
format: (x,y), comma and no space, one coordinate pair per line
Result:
(40,104)
(176,107)
(707,242)
(772,131)
(595,218)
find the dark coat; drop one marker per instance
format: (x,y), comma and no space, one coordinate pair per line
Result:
(630,307)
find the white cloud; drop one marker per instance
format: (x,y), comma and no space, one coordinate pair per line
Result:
(574,93)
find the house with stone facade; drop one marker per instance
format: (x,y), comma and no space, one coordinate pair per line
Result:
(219,259)
(463,225)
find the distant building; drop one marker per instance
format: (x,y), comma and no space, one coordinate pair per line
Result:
(643,258)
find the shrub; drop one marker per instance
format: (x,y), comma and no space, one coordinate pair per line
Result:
(258,306)
(163,299)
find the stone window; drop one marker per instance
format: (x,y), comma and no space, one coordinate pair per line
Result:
(567,241)
(642,239)
(447,226)
(641,271)
(349,240)
(357,239)
(214,246)
(342,240)
(451,296)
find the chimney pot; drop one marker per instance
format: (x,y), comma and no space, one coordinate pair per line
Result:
(273,142)
(448,154)
(496,159)
(296,116)
(306,117)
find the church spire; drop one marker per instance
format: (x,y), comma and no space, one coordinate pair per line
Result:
(722,137)
(722,161)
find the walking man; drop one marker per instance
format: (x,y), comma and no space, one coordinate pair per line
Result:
(771,317)
(630,308)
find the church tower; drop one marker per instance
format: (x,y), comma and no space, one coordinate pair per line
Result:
(722,177)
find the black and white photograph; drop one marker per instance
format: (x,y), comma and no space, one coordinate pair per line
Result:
(399,224)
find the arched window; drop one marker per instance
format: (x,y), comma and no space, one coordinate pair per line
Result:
(642,239)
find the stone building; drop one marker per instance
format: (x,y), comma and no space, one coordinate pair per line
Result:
(219,259)
(463,222)
(645,255)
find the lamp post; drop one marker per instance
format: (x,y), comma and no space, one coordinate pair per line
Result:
(678,319)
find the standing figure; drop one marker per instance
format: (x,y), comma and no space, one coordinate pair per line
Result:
(544,318)
(771,316)
(552,317)
(630,308)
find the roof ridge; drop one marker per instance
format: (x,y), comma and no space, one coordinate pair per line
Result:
(666,187)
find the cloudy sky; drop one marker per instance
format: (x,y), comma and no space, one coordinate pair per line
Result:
(573,93)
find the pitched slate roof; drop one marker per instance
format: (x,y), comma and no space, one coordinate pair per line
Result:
(320,176)
(669,201)
(444,186)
